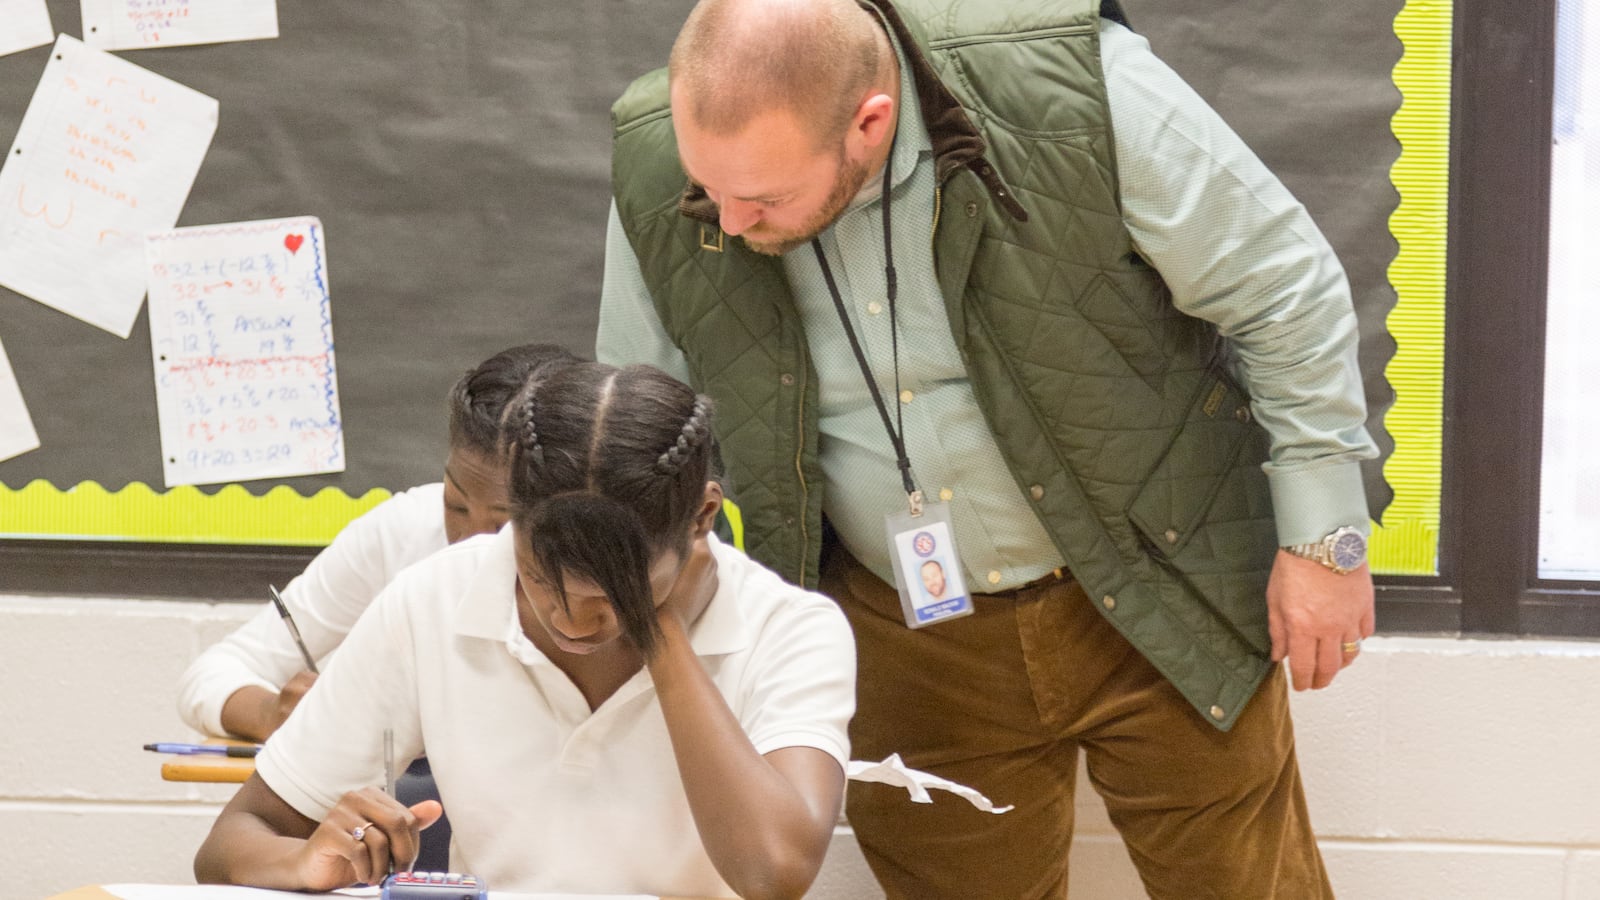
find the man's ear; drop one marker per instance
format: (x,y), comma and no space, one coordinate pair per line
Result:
(872,126)
(711,503)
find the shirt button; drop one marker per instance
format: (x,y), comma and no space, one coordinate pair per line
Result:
(874,307)
(972,210)
(786,378)
(1218,713)
(1171,536)
(1036,491)
(994,577)
(906,396)
(1242,414)
(945,494)
(1109,602)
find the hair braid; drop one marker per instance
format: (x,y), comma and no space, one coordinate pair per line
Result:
(690,436)
(530,435)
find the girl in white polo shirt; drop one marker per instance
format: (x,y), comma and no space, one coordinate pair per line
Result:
(612,700)
(247,684)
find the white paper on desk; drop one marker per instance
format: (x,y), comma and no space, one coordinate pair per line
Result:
(217,892)
(223,892)
(106,152)
(916,782)
(241,334)
(16,427)
(144,24)
(26,25)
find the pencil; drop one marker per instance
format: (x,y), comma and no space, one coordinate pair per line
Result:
(294,632)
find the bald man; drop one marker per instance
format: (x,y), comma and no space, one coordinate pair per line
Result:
(993,268)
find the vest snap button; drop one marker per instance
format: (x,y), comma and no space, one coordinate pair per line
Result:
(786,378)
(1242,414)
(972,209)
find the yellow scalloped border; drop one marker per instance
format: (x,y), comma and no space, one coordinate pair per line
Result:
(137,512)
(1408,541)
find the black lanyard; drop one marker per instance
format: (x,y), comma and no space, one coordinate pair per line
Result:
(896,436)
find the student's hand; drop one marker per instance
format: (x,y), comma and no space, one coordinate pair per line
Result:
(254,713)
(289,696)
(334,858)
(1313,613)
(696,585)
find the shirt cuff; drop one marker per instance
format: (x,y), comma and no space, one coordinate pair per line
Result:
(1310,502)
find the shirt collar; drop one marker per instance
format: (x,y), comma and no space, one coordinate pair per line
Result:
(488,607)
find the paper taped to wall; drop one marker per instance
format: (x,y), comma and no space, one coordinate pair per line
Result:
(106,152)
(241,333)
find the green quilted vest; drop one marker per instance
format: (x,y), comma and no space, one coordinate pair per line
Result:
(1112,409)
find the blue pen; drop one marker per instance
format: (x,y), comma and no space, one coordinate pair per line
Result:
(197,749)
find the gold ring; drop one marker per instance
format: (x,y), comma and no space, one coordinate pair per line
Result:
(1351,647)
(360,831)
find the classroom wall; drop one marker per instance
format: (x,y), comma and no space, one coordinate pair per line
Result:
(1437,768)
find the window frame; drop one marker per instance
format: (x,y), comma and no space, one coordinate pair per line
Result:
(1503,81)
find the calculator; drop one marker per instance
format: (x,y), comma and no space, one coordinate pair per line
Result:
(434,886)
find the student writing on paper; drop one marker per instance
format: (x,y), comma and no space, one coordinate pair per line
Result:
(247,684)
(611,698)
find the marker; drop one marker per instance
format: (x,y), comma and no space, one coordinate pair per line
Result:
(199,749)
(294,632)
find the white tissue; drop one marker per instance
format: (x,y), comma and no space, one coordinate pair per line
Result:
(894,772)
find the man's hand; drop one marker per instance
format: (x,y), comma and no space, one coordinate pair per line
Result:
(1312,612)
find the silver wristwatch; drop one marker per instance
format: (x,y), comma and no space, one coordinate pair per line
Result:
(1343,550)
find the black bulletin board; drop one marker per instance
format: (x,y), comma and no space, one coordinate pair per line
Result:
(457,152)
(458,155)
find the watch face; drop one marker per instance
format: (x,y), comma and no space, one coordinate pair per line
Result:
(1349,550)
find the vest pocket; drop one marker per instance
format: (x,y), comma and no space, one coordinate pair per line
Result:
(1171,504)
(1205,512)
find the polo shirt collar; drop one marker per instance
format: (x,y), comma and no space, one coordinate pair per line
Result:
(488,607)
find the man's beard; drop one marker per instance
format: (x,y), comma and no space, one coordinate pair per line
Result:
(851,177)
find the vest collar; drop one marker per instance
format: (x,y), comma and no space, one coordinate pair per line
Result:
(957,142)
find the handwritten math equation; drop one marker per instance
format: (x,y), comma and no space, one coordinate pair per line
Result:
(141,24)
(242,340)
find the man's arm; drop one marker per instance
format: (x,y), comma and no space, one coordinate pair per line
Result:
(1237,249)
(630,331)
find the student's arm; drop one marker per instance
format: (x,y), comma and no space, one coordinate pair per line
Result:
(765,819)
(315,781)
(262,841)
(247,684)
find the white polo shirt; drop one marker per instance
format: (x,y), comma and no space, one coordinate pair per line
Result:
(325,600)
(543,794)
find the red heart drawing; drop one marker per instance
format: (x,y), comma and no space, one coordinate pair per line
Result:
(293,242)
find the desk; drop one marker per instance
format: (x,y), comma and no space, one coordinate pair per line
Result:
(212,769)
(213,892)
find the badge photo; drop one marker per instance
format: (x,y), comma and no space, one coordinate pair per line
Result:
(927,569)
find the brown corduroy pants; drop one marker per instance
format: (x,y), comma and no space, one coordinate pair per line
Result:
(1003,700)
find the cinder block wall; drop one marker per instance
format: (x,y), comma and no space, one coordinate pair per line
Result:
(1437,768)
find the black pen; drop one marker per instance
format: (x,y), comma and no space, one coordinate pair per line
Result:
(294,632)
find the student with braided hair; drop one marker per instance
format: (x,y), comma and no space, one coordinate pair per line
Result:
(246,684)
(613,700)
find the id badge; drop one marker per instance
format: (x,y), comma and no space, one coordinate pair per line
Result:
(927,569)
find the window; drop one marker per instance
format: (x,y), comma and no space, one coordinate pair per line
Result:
(1500,248)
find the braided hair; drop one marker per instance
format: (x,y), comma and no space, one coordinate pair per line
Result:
(608,469)
(478,400)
